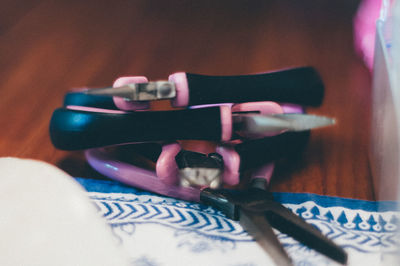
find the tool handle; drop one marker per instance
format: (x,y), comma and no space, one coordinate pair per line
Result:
(298,85)
(255,153)
(76,129)
(148,150)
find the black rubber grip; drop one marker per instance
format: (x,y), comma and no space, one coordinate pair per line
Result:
(75,130)
(255,153)
(82,99)
(297,85)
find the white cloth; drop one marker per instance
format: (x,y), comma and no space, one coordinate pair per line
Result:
(158,230)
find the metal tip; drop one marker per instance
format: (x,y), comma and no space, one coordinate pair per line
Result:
(258,125)
(125,91)
(301,122)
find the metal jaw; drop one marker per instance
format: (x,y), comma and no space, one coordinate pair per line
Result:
(200,177)
(199,170)
(157,90)
(258,213)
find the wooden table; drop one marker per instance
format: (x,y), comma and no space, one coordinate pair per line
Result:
(48,47)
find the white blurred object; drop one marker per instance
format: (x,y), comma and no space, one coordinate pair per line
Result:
(396,67)
(385,133)
(46,218)
(385,141)
(396,44)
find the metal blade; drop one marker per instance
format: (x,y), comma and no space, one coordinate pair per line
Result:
(258,125)
(289,223)
(301,122)
(259,228)
(126,91)
(148,91)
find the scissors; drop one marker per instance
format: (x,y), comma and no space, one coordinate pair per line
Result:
(178,172)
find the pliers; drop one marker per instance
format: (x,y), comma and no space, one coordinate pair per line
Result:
(252,132)
(74,127)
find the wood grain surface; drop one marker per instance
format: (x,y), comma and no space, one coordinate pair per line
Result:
(49,47)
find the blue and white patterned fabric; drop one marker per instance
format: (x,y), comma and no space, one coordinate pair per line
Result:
(158,230)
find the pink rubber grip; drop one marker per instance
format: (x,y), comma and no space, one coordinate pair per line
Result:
(182,89)
(121,103)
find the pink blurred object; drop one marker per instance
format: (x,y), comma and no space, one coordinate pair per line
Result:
(364,29)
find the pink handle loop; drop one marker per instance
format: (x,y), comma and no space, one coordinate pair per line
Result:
(121,103)
(231,157)
(182,89)
(166,167)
